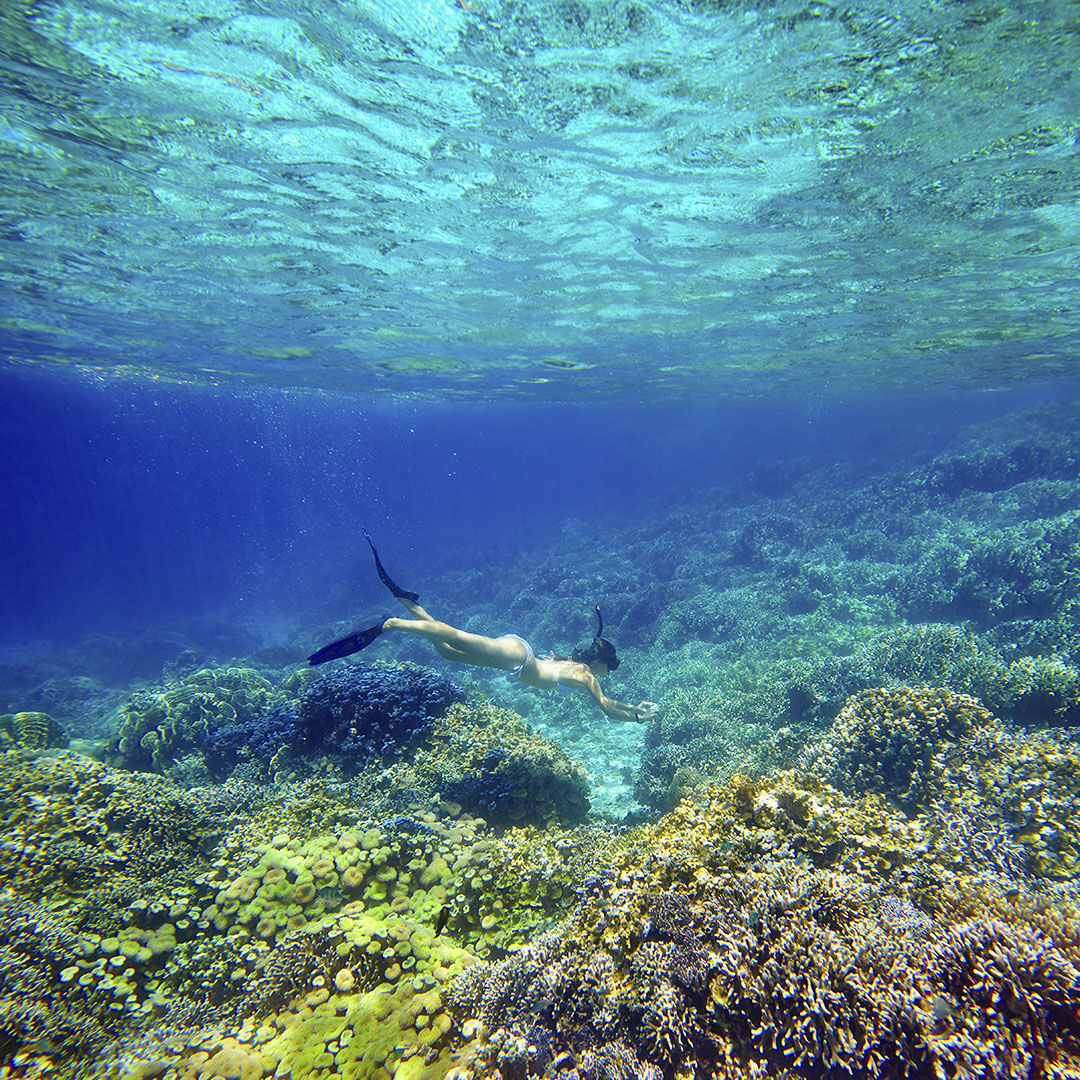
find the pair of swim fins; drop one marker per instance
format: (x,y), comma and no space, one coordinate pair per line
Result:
(361,639)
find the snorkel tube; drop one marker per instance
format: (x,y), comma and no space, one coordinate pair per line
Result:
(600,649)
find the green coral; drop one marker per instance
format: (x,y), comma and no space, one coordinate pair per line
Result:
(89,838)
(983,790)
(159,727)
(30,731)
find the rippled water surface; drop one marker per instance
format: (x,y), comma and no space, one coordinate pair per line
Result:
(572,197)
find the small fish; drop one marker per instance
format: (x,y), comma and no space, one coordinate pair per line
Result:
(943,1008)
(441,921)
(331,897)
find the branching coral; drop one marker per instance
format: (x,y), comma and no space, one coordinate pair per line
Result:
(683,966)
(372,711)
(42,1009)
(885,740)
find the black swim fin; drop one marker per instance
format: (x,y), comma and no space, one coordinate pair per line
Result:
(346,646)
(395,589)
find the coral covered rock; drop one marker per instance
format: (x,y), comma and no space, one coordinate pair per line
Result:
(686,966)
(492,763)
(78,831)
(372,711)
(44,1011)
(31,731)
(884,740)
(159,727)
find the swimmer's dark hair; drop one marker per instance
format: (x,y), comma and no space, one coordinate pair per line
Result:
(601,649)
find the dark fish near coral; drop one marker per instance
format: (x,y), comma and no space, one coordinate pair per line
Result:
(444,917)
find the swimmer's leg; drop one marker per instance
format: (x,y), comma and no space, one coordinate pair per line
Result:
(346,646)
(506,654)
(395,589)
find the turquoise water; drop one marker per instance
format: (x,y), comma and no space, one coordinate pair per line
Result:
(544,199)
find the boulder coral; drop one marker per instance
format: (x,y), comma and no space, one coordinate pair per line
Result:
(493,764)
(30,731)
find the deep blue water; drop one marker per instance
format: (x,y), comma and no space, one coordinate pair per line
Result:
(128,507)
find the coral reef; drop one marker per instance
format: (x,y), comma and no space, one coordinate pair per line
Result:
(80,833)
(688,963)
(985,790)
(44,1011)
(784,929)
(489,761)
(206,725)
(31,731)
(705,730)
(372,711)
(159,727)
(256,928)
(878,670)
(1042,689)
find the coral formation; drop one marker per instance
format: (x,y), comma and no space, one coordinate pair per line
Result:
(43,1009)
(158,727)
(31,731)
(76,830)
(393,882)
(687,964)
(784,929)
(489,761)
(208,724)
(984,790)
(372,711)
(885,740)
(1041,688)
(290,929)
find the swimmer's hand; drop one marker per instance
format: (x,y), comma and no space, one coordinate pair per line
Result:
(645,711)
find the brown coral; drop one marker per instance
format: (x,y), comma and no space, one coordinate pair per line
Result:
(884,740)
(491,762)
(688,963)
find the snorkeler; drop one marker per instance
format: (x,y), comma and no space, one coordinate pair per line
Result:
(510,653)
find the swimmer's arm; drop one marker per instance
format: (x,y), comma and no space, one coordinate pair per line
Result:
(612,709)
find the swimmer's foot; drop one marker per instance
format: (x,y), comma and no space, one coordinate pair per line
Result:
(346,646)
(395,589)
